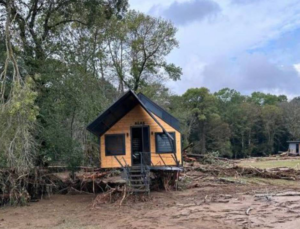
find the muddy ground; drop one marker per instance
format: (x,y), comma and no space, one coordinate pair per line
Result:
(210,204)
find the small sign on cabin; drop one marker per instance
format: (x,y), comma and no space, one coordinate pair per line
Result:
(139,123)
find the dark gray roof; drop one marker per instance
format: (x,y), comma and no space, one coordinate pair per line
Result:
(125,104)
(296,141)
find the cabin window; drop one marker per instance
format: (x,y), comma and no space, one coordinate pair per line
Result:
(114,144)
(164,144)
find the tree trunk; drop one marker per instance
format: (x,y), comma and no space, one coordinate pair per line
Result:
(249,143)
(121,86)
(203,139)
(243,151)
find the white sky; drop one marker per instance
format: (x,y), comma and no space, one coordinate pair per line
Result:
(247,45)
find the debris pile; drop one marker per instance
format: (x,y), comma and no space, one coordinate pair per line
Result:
(273,173)
(118,196)
(18,189)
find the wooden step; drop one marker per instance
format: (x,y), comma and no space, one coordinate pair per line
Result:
(136,181)
(136,175)
(138,190)
(135,167)
(138,185)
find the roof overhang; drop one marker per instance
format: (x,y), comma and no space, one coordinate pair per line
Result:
(125,104)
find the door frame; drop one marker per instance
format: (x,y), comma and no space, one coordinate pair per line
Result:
(149,133)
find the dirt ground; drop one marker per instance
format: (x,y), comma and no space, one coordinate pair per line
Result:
(210,205)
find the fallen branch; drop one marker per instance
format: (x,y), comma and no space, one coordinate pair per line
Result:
(288,194)
(278,194)
(124,195)
(230,181)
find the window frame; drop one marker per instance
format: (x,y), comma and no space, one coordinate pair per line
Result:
(123,145)
(156,143)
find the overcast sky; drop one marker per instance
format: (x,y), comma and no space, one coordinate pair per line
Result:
(247,45)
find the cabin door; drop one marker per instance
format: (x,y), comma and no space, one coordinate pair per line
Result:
(140,145)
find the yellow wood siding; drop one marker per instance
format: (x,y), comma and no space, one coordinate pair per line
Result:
(138,114)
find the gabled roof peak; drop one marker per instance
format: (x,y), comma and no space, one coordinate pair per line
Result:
(125,104)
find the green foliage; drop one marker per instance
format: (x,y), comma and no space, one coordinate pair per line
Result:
(67,106)
(18,125)
(22,103)
(137,47)
(56,49)
(291,115)
(260,98)
(236,125)
(206,129)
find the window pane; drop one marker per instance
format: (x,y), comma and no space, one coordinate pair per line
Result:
(115,144)
(163,143)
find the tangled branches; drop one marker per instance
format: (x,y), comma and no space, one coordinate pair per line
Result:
(19,189)
(12,188)
(17,110)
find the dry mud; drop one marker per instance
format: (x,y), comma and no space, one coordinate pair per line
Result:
(211,205)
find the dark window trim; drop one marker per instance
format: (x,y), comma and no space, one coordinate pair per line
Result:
(124,144)
(156,133)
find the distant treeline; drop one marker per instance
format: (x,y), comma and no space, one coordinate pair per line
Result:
(236,125)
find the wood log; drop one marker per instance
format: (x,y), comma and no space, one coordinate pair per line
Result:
(188,159)
(95,175)
(288,194)
(278,194)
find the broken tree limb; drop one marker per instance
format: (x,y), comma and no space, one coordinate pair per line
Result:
(230,181)
(288,194)
(124,195)
(188,146)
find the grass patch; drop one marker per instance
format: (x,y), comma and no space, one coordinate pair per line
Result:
(267,164)
(265,181)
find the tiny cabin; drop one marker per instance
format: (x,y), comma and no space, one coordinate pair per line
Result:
(294,147)
(135,130)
